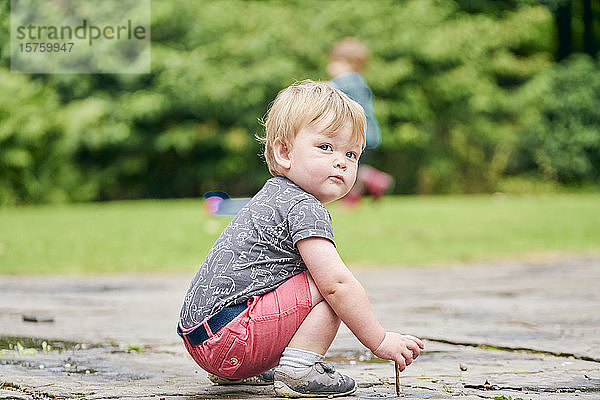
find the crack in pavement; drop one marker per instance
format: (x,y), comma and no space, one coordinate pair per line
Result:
(487,346)
(9,386)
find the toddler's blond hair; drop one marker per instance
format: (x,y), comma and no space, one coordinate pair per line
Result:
(309,102)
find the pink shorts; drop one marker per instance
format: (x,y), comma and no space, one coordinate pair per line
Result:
(254,340)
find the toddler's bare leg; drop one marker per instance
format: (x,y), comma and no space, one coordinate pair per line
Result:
(301,372)
(317,331)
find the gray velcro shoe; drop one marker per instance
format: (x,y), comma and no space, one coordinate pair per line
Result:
(266,378)
(320,380)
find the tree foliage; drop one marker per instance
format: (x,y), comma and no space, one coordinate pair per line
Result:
(562,142)
(462,94)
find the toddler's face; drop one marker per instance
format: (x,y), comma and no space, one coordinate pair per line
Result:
(323,165)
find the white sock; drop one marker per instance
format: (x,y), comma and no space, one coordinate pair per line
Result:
(299,359)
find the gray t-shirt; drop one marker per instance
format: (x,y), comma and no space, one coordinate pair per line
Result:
(257,250)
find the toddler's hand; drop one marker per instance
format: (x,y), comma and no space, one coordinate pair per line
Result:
(402,349)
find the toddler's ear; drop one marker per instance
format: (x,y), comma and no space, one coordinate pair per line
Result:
(281,153)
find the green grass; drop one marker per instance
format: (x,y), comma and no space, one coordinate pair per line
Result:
(106,237)
(175,235)
(446,229)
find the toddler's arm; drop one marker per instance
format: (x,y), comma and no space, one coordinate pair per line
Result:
(348,299)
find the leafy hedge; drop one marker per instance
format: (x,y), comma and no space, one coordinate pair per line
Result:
(463,98)
(562,142)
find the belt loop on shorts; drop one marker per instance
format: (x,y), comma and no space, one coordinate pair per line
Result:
(199,334)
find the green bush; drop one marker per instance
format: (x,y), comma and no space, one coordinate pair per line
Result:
(562,142)
(36,162)
(452,92)
(457,93)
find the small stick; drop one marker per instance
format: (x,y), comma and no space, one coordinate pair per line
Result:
(397,369)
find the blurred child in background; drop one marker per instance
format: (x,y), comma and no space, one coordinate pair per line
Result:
(347,59)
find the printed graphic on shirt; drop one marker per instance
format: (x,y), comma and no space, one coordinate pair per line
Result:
(257,250)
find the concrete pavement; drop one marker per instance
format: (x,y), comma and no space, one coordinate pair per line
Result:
(526,330)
